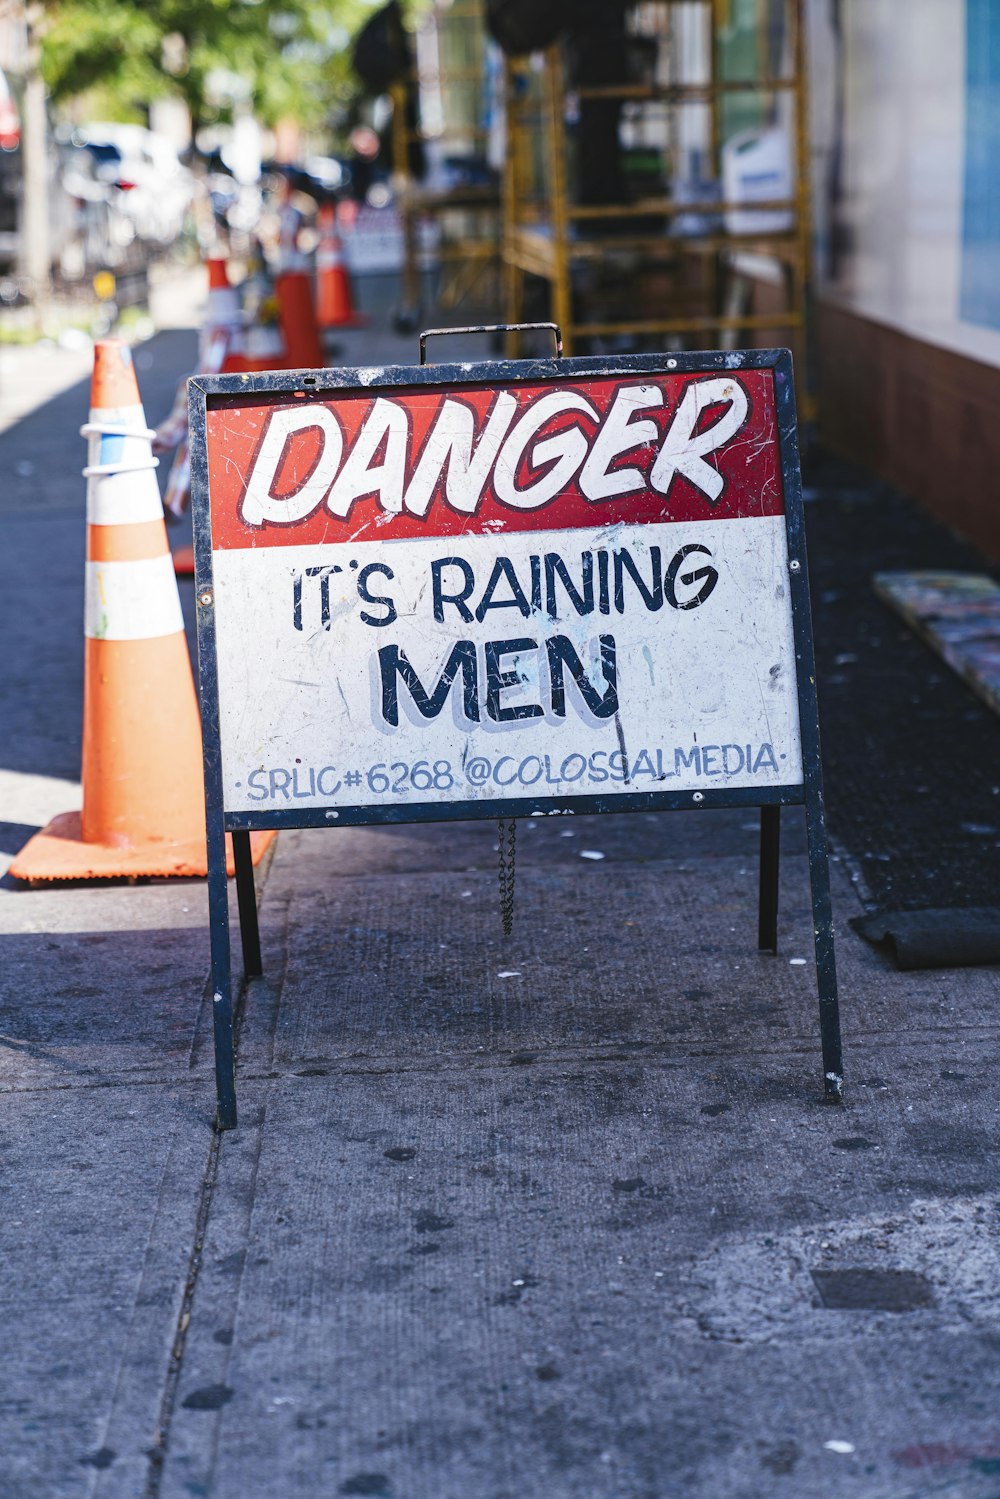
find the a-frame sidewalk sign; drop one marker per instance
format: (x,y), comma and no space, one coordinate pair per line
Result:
(503,589)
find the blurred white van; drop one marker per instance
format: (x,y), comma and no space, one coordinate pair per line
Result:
(156,187)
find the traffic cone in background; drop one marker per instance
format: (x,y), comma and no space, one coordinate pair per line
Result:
(220,349)
(263,344)
(265,348)
(143,799)
(334,304)
(297,317)
(293,288)
(223,296)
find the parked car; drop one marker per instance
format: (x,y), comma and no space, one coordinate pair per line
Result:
(90,225)
(97,232)
(156,188)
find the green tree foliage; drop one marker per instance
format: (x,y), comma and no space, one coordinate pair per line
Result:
(291,56)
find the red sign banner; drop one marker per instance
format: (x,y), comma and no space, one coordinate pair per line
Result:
(410,463)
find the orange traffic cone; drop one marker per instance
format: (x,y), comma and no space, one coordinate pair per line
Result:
(220,350)
(297,316)
(143,801)
(334,304)
(293,288)
(264,346)
(223,297)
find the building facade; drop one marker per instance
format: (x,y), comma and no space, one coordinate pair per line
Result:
(906,130)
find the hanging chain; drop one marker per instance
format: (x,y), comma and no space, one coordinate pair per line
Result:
(507,829)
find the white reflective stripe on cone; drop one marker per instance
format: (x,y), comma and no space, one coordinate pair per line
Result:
(224,307)
(114,450)
(132,600)
(119,416)
(213,346)
(124,499)
(263,340)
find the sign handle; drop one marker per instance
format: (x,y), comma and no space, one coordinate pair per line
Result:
(552,328)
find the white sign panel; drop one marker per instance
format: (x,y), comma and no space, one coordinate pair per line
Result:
(516,593)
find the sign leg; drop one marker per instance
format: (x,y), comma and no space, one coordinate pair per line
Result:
(222,975)
(826,965)
(246,896)
(767,904)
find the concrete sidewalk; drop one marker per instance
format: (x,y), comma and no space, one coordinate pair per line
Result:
(558,1215)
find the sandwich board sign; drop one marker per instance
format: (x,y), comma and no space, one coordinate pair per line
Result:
(516,588)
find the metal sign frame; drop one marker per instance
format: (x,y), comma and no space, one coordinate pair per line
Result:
(204,389)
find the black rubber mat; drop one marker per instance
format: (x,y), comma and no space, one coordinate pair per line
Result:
(935,938)
(911,756)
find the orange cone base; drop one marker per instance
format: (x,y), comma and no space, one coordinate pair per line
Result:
(59,853)
(184,562)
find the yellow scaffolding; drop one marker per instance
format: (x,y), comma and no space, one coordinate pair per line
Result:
(680,261)
(462,206)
